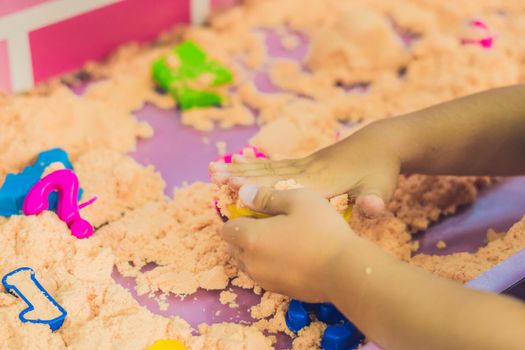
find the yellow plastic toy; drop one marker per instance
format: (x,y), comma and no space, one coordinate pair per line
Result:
(167,345)
(236,212)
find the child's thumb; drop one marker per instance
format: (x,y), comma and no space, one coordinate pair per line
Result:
(374,193)
(266,200)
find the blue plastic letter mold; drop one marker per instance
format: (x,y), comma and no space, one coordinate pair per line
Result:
(22,282)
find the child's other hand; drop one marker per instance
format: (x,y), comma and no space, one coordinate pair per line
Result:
(362,165)
(294,251)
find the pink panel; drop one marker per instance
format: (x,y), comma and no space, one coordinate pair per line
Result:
(5,77)
(67,45)
(223,3)
(10,6)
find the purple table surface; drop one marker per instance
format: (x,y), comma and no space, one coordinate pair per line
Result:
(181,155)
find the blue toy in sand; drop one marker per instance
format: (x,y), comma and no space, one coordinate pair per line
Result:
(16,186)
(340,334)
(31,312)
(343,336)
(297,316)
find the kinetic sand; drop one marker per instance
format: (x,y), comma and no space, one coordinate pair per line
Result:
(415,49)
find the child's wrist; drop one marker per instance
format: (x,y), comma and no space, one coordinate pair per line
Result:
(385,138)
(339,270)
(356,271)
(398,138)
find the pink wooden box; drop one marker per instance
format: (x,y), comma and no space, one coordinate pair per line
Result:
(40,39)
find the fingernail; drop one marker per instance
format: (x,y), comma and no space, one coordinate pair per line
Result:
(247,194)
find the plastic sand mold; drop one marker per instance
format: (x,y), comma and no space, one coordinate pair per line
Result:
(65,182)
(16,186)
(191,77)
(41,307)
(340,333)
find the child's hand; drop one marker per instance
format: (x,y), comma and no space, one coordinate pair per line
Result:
(294,251)
(481,134)
(362,165)
(308,252)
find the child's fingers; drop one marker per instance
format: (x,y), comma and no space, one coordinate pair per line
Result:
(239,159)
(269,201)
(215,167)
(237,166)
(239,232)
(236,182)
(370,204)
(237,255)
(220,178)
(259,178)
(260,172)
(288,171)
(258,167)
(220,172)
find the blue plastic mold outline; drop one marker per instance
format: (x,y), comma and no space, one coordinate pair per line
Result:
(55,323)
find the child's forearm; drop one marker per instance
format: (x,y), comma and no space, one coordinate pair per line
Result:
(402,307)
(481,134)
